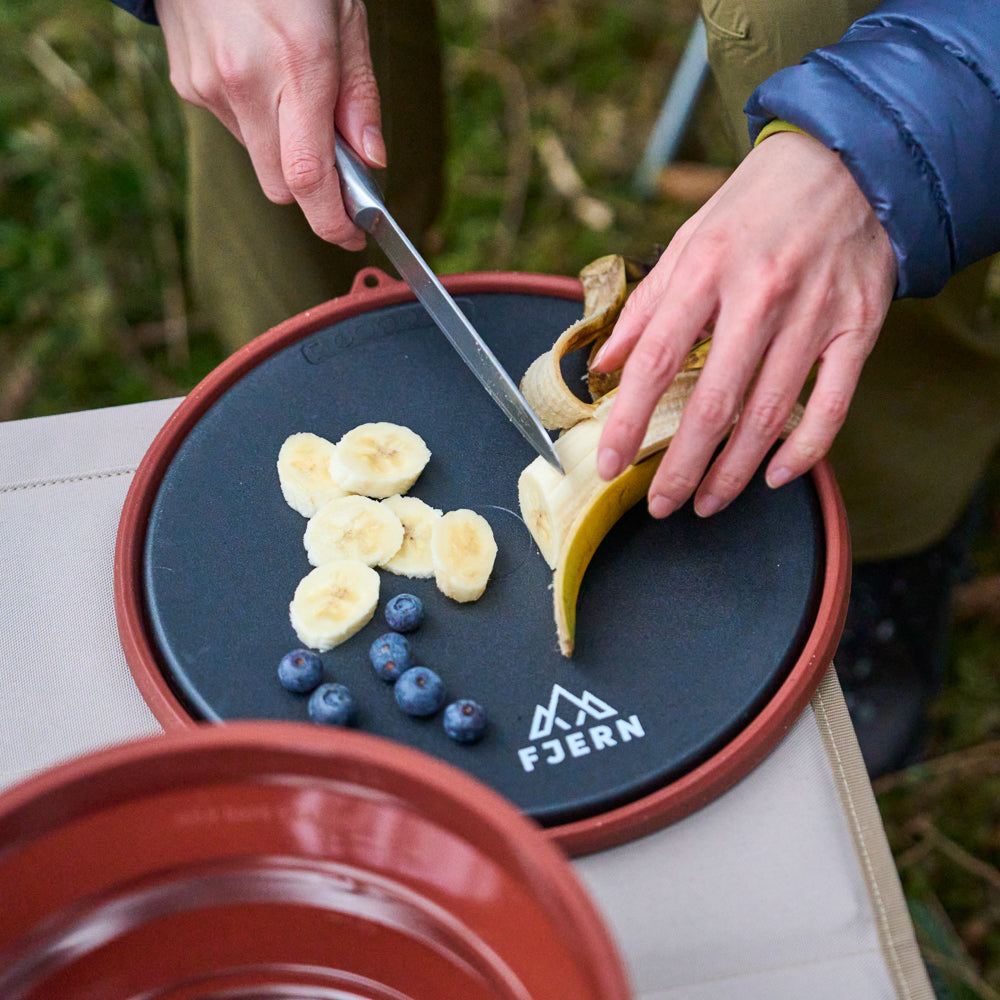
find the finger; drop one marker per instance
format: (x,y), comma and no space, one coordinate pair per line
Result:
(741,332)
(235,85)
(774,364)
(636,315)
(258,125)
(825,410)
(643,303)
(358,113)
(763,417)
(306,130)
(651,366)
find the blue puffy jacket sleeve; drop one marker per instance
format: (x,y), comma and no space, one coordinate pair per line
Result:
(142,9)
(910,99)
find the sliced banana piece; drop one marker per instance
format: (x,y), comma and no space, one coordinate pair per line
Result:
(464,550)
(333,602)
(379,459)
(413,558)
(304,472)
(353,527)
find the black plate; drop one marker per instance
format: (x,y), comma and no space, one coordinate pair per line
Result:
(686,627)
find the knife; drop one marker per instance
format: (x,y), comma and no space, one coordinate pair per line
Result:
(364,205)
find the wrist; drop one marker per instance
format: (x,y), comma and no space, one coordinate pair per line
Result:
(774,126)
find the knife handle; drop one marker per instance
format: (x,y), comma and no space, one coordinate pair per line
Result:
(362,198)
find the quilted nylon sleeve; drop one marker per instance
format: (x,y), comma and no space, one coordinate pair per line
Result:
(910,99)
(142,9)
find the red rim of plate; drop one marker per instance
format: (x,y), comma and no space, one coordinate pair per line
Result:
(373,289)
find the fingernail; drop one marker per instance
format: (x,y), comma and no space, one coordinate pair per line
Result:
(374,145)
(778,477)
(599,356)
(707,505)
(660,506)
(609,463)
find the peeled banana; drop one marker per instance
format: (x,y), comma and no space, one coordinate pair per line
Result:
(568,515)
(378,459)
(549,501)
(353,527)
(304,472)
(464,550)
(333,602)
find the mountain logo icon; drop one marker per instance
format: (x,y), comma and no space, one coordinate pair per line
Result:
(547,717)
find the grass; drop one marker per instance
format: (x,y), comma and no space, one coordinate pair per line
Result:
(95,305)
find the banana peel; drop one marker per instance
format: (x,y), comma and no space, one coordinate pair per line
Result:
(604,509)
(605,290)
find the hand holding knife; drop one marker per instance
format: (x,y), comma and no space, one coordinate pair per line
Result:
(366,208)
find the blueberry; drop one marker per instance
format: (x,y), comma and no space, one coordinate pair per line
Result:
(465,720)
(404,613)
(419,691)
(333,704)
(390,656)
(300,671)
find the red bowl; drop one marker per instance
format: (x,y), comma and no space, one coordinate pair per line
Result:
(282,860)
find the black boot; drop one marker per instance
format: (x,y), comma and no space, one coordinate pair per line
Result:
(892,655)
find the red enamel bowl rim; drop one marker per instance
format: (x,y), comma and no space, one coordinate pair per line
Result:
(244,749)
(373,289)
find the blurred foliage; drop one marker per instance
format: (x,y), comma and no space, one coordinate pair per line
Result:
(550,106)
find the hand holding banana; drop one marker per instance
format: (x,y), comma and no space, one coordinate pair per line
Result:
(787,265)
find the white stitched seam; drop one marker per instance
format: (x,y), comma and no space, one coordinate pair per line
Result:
(38,484)
(876,893)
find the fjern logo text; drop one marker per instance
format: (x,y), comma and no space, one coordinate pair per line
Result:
(595,725)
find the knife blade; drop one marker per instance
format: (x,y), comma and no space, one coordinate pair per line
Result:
(365,206)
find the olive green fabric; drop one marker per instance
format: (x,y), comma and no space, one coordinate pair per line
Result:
(253,263)
(924,420)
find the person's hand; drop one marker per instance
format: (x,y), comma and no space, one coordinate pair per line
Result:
(280,74)
(787,265)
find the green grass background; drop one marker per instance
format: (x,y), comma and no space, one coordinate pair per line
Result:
(95,307)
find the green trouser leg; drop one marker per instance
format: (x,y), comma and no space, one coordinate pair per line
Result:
(254,263)
(923,424)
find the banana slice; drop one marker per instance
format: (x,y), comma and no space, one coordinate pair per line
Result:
(413,558)
(464,550)
(378,459)
(304,472)
(333,602)
(353,527)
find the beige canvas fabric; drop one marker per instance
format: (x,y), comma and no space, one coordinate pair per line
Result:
(782,889)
